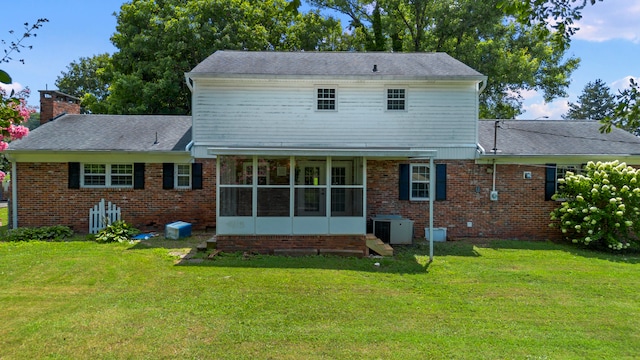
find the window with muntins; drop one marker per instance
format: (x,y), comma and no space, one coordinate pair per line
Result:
(182,176)
(396,99)
(107,175)
(326,99)
(419,182)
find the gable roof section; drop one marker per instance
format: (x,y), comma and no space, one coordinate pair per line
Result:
(434,66)
(554,137)
(135,133)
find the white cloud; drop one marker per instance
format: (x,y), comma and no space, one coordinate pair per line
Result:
(610,19)
(541,109)
(13,86)
(622,84)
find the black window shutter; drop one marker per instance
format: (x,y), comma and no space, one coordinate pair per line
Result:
(196,176)
(550,181)
(167,176)
(138,176)
(403,182)
(441,182)
(74,175)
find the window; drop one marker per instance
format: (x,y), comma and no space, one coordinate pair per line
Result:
(562,170)
(555,172)
(107,175)
(326,99)
(183,176)
(419,182)
(396,99)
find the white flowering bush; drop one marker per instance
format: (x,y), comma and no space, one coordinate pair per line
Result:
(600,207)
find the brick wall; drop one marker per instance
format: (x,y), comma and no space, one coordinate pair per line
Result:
(45,199)
(267,243)
(520,212)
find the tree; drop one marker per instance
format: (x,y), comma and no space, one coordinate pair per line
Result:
(626,114)
(559,15)
(13,106)
(514,55)
(159,41)
(89,79)
(595,103)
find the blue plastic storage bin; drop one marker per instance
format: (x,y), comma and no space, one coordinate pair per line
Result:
(177,230)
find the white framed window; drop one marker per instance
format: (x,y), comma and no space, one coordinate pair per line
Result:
(182,176)
(326,99)
(561,172)
(419,175)
(107,175)
(396,99)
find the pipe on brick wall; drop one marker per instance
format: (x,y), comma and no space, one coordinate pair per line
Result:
(493,188)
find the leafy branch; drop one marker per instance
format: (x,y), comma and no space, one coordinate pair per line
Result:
(16,45)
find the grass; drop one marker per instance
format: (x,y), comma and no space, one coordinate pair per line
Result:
(4,219)
(495,300)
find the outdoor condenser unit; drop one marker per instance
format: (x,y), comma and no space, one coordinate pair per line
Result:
(393,229)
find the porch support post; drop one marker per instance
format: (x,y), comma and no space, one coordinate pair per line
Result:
(432,194)
(14,195)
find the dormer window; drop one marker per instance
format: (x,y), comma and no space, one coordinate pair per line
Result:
(396,99)
(326,99)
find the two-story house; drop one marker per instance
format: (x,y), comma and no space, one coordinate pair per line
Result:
(295,150)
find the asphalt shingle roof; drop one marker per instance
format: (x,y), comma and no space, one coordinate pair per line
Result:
(555,137)
(109,132)
(273,63)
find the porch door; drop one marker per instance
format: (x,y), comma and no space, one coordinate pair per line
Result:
(341,203)
(311,199)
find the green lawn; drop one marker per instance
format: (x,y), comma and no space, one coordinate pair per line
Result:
(498,300)
(4,218)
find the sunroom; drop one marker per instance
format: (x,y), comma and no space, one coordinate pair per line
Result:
(303,192)
(290,195)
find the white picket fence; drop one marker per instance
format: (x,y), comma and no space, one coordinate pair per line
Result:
(100,216)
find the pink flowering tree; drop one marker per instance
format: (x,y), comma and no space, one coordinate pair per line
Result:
(14,111)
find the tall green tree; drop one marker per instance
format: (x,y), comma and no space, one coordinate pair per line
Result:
(88,78)
(160,40)
(514,55)
(626,114)
(595,103)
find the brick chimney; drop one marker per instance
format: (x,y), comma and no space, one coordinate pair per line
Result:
(55,103)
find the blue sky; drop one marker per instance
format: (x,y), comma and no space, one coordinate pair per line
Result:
(608,44)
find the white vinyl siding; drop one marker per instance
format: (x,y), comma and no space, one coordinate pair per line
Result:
(284,114)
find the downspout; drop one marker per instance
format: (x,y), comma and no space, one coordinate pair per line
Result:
(14,196)
(493,187)
(432,193)
(189,82)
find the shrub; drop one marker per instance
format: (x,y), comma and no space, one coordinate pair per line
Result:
(118,231)
(600,207)
(45,233)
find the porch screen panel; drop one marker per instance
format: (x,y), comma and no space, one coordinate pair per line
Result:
(346,187)
(273,186)
(236,186)
(310,186)
(236,201)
